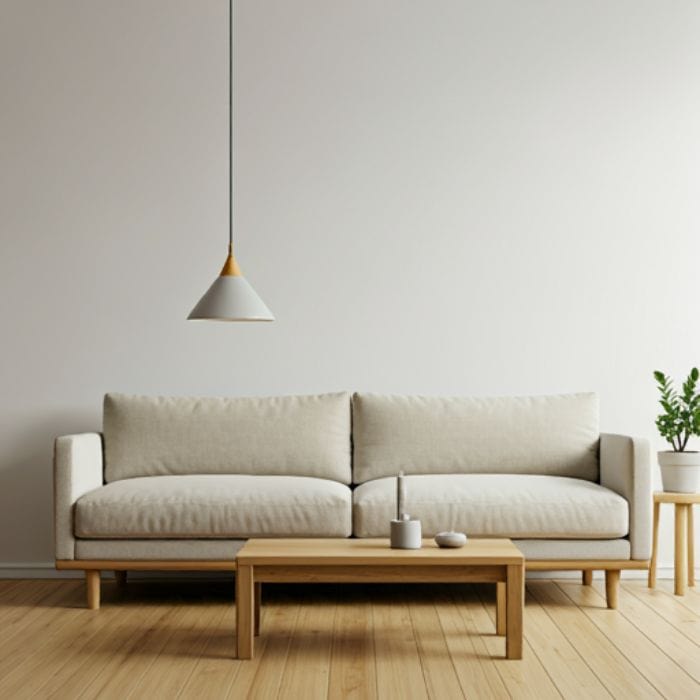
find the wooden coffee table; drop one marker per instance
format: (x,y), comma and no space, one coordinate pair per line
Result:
(372,561)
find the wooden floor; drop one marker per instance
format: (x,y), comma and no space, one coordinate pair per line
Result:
(175,639)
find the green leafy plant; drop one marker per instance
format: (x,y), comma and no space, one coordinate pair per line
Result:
(681,416)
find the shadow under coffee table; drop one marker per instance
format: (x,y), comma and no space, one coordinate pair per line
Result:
(373,561)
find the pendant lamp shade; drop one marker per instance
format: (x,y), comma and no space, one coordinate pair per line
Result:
(230,297)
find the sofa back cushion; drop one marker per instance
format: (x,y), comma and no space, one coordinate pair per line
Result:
(554,435)
(288,435)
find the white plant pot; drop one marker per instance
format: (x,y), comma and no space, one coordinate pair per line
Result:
(680,471)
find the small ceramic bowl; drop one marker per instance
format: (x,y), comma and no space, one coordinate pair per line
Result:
(451,539)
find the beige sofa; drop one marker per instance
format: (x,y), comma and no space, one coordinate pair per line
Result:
(181,483)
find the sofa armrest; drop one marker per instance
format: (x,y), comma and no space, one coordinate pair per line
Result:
(77,469)
(625,467)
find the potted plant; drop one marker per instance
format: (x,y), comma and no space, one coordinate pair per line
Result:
(680,467)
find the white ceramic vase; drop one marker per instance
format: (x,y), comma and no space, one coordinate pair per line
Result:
(680,471)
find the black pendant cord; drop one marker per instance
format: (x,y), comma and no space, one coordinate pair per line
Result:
(230,127)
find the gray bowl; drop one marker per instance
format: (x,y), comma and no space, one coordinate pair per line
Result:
(451,539)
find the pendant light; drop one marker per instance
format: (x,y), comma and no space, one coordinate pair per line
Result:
(230,297)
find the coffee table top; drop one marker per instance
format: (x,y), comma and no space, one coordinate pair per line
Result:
(344,552)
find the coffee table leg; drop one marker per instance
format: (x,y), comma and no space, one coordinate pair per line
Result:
(258,599)
(501,608)
(245,611)
(515,595)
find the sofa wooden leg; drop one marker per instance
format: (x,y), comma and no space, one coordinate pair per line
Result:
(92,584)
(612,586)
(120,578)
(587,577)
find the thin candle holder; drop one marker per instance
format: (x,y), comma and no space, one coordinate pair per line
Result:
(405,532)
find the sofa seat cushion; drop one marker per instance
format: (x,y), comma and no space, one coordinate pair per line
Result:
(227,505)
(495,505)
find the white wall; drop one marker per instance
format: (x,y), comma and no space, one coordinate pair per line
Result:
(440,197)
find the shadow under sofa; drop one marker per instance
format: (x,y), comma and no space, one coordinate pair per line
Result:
(181,483)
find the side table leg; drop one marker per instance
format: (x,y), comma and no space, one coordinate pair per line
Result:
(501,608)
(654,547)
(691,547)
(515,597)
(244,611)
(680,562)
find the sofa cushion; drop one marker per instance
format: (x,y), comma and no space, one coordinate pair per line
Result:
(495,505)
(289,435)
(555,435)
(202,506)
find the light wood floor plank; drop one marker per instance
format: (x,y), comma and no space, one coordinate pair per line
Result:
(216,675)
(7,587)
(476,670)
(7,583)
(668,677)
(565,666)
(689,601)
(307,670)
(216,670)
(93,650)
(124,680)
(524,679)
(36,605)
(111,665)
(657,628)
(177,659)
(15,590)
(177,639)
(353,667)
(37,632)
(261,676)
(616,673)
(682,618)
(674,644)
(440,676)
(399,672)
(54,647)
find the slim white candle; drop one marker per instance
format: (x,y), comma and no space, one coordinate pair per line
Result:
(399,496)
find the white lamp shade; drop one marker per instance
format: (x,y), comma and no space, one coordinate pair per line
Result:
(231,298)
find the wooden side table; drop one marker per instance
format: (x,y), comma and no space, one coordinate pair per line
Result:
(684,549)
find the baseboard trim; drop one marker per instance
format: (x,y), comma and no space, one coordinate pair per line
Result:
(34,570)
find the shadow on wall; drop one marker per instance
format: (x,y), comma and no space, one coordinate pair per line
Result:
(26,485)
